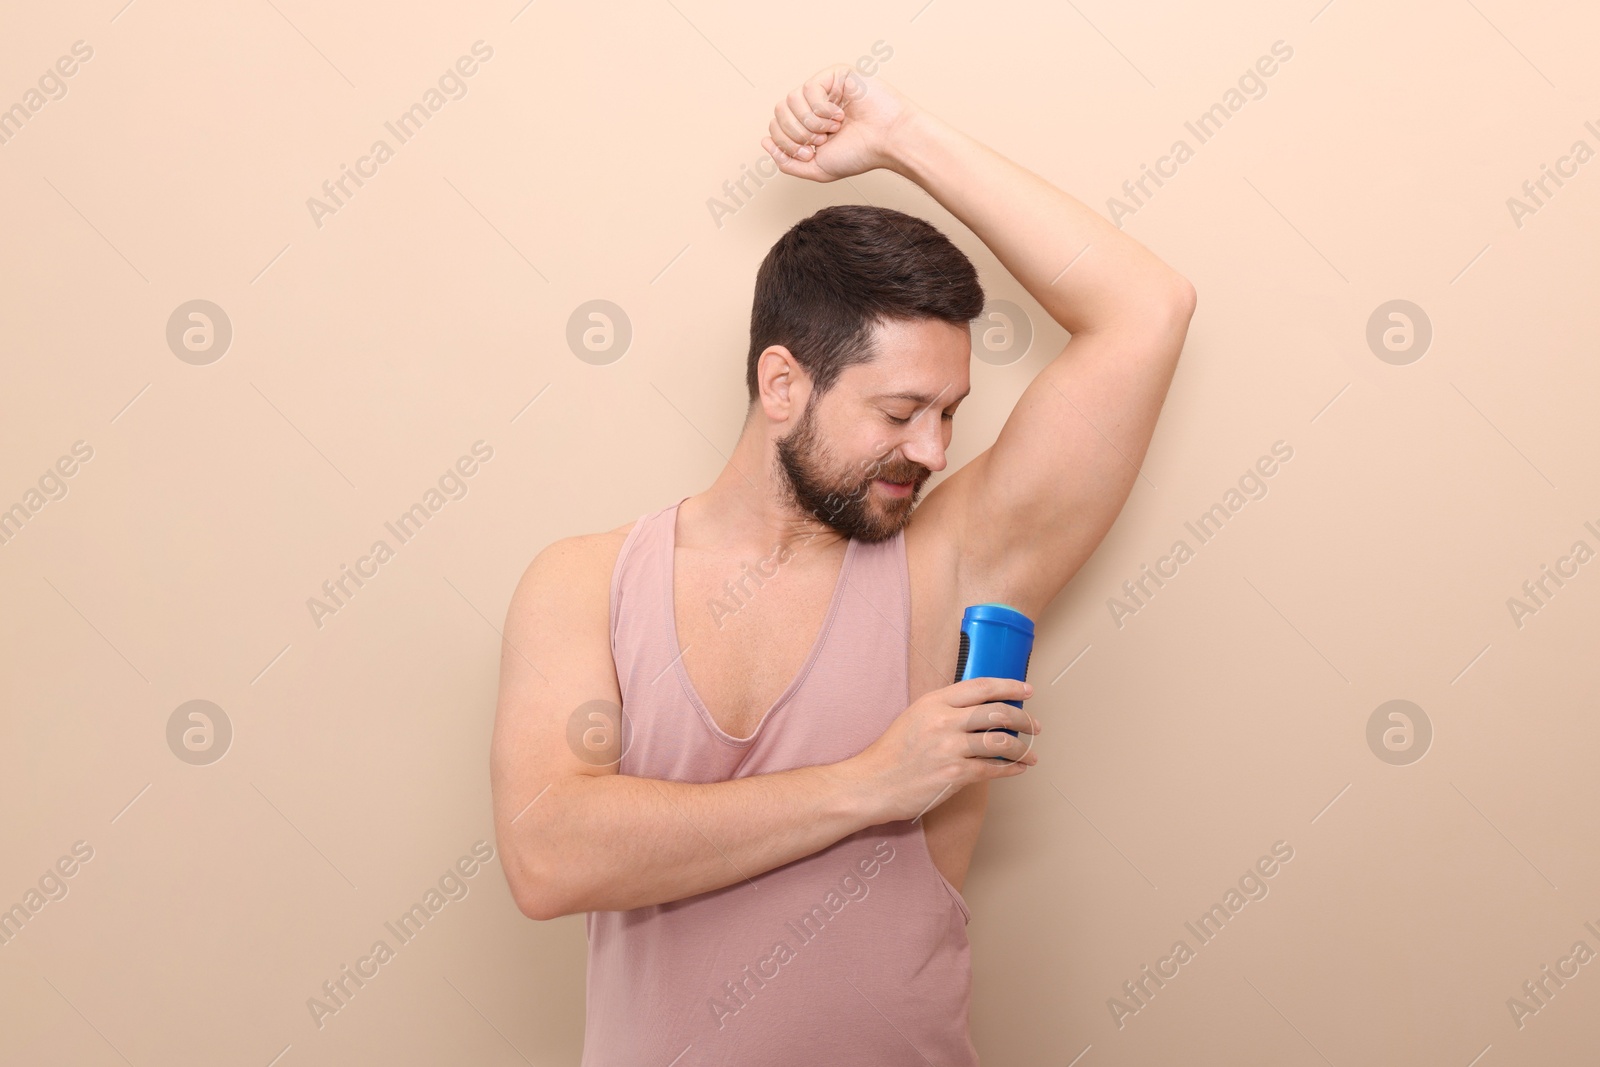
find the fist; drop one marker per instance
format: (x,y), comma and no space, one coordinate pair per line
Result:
(838,123)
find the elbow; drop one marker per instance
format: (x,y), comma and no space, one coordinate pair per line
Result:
(540,901)
(1173,313)
(1184,299)
(536,893)
(1159,313)
(1188,295)
(539,907)
(549,873)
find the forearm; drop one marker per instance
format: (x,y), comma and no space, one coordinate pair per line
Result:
(614,842)
(1036,230)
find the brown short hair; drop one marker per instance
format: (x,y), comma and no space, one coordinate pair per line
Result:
(827,283)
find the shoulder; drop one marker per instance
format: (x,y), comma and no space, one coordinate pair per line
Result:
(583,551)
(572,573)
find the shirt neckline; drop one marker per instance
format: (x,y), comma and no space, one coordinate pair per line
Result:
(683,673)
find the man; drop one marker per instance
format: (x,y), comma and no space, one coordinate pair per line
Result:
(757,778)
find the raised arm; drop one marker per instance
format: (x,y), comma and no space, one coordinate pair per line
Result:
(1029,510)
(1035,505)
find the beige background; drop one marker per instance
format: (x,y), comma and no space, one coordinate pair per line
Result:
(369,353)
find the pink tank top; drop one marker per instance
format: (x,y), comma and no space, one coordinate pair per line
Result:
(854,954)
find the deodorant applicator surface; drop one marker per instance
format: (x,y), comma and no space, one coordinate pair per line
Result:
(996,642)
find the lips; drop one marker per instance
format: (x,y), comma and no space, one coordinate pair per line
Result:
(896,489)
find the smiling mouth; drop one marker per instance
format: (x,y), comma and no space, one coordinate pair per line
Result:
(896,488)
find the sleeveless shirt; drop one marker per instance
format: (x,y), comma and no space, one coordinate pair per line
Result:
(855,954)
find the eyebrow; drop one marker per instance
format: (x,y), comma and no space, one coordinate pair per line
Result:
(920,398)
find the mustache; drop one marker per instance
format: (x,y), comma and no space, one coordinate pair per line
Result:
(916,474)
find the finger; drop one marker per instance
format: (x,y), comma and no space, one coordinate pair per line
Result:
(786,163)
(977,690)
(1001,768)
(1006,716)
(829,85)
(803,108)
(786,145)
(1002,744)
(827,111)
(851,86)
(999,730)
(792,128)
(998,715)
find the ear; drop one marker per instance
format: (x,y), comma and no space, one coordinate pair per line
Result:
(782,385)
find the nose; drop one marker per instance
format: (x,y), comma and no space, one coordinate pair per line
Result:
(926,446)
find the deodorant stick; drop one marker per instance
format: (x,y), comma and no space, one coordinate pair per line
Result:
(996,642)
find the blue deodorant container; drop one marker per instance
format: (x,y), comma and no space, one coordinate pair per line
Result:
(996,642)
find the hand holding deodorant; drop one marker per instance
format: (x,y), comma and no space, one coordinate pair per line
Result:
(996,642)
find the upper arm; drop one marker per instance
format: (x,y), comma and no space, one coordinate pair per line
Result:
(1035,505)
(558,710)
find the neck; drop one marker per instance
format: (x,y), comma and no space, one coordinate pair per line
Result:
(748,506)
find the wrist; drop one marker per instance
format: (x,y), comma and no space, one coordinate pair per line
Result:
(853,793)
(908,142)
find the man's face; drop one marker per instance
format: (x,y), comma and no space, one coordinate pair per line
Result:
(883,425)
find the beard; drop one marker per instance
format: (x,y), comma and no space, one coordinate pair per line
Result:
(843,499)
